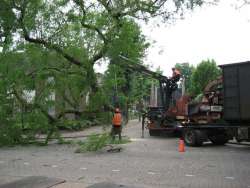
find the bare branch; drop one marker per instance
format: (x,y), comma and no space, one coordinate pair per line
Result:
(244,3)
(94,28)
(54,47)
(80,3)
(54,69)
(106,5)
(100,54)
(150,7)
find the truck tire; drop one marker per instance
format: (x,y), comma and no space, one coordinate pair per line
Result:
(193,137)
(154,132)
(219,139)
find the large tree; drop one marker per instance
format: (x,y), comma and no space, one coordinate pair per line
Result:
(89,26)
(56,43)
(83,32)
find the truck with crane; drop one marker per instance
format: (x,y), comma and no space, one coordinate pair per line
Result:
(221,113)
(224,110)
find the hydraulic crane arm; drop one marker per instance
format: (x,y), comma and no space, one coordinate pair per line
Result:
(167,85)
(141,69)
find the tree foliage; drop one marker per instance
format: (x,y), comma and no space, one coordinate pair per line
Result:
(82,32)
(205,72)
(48,52)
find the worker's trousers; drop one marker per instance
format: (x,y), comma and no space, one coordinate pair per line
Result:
(116,130)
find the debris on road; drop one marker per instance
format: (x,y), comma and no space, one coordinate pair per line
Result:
(113,149)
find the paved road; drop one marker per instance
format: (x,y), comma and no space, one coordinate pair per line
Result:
(150,162)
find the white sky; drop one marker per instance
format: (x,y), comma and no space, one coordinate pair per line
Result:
(220,32)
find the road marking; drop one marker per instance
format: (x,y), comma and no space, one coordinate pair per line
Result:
(54,166)
(151,173)
(83,168)
(189,175)
(26,163)
(136,139)
(229,177)
(115,170)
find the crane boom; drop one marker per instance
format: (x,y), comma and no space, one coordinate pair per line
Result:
(141,69)
(167,85)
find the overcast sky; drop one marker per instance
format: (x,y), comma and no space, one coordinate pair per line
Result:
(220,32)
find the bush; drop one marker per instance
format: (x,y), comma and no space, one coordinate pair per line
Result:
(11,135)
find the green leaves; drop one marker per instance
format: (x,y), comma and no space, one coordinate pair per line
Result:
(129,41)
(186,71)
(29,85)
(96,142)
(205,72)
(50,49)
(196,78)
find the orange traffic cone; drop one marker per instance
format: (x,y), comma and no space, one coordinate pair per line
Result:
(181,146)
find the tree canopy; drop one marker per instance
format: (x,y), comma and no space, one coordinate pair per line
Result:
(48,49)
(205,72)
(82,32)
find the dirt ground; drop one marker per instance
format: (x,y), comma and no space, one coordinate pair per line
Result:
(149,162)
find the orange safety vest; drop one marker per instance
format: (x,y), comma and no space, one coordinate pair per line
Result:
(117,120)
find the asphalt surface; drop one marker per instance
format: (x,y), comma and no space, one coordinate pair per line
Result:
(152,162)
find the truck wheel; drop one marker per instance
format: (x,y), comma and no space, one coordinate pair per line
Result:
(193,137)
(219,139)
(238,140)
(154,132)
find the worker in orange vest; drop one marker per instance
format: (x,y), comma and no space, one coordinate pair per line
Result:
(117,124)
